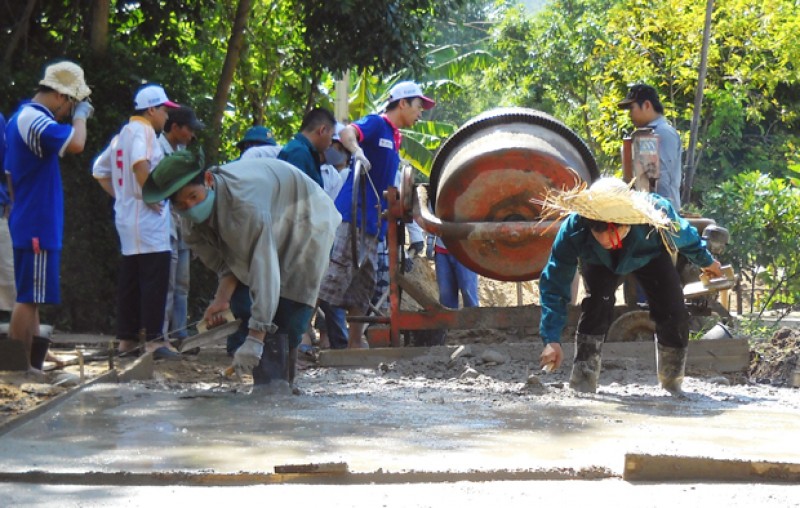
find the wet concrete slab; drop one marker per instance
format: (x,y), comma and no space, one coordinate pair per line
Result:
(141,429)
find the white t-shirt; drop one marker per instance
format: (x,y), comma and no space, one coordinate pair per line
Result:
(333,179)
(141,229)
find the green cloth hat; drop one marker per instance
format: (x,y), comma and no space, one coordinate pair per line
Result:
(172,173)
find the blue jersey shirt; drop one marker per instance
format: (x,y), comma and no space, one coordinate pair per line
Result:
(301,153)
(35,142)
(575,242)
(4,199)
(380,141)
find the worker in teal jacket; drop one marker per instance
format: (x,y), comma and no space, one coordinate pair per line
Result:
(610,231)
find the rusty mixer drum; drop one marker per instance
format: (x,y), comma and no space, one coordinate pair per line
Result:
(489,170)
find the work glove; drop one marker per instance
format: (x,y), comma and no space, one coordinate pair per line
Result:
(248,355)
(359,156)
(415,249)
(83,109)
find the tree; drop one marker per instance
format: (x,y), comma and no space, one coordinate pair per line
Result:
(575,58)
(235,73)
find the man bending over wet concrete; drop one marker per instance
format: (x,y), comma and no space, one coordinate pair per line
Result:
(266,224)
(611,231)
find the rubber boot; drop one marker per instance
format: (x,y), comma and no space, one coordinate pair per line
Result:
(671,364)
(586,367)
(291,365)
(272,366)
(39,348)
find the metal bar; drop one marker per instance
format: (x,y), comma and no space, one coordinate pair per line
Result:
(394,210)
(508,231)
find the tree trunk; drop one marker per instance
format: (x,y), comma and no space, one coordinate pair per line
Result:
(19,32)
(99,35)
(691,163)
(226,77)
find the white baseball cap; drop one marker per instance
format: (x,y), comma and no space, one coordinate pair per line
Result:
(151,96)
(408,90)
(66,78)
(337,129)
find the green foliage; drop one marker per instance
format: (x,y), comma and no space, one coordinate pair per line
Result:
(575,58)
(385,36)
(763,217)
(572,58)
(182,45)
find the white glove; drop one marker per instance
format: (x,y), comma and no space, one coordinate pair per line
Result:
(248,355)
(359,156)
(84,110)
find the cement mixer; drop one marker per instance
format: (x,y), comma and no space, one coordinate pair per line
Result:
(479,202)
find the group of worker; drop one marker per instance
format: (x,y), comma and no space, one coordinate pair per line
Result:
(274,226)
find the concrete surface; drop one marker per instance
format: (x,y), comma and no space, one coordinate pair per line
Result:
(111,428)
(508,494)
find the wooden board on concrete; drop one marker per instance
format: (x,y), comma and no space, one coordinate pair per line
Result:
(320,468)
(665,468)
(722,356)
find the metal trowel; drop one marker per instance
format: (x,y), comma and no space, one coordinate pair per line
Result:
(707,285)
(207,336)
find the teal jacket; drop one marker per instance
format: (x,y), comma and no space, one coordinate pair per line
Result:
(575,242)
(302,154)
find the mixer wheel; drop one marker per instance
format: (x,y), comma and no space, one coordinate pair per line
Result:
(634,326)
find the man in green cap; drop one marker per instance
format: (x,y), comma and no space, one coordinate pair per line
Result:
(261,222)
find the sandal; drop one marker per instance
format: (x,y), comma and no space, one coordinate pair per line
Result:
(307,350)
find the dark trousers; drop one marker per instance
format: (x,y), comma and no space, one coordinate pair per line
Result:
(335,325)
(142,295)
(291,318)
(660,281)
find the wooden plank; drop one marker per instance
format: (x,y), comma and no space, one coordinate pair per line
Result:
(661,468)
(321,468)
(722,356)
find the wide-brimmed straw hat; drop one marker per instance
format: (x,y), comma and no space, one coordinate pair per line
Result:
(608,199)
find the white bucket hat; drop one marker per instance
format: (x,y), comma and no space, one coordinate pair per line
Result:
(66,78)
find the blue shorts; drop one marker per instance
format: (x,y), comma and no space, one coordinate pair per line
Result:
(37,275)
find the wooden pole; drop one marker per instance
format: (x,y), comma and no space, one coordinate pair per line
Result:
(691,161)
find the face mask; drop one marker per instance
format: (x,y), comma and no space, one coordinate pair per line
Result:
(333,156)
(200,212)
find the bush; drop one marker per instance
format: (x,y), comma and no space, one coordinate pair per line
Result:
(763,216)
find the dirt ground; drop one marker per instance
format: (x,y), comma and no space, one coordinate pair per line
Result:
(496,361)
